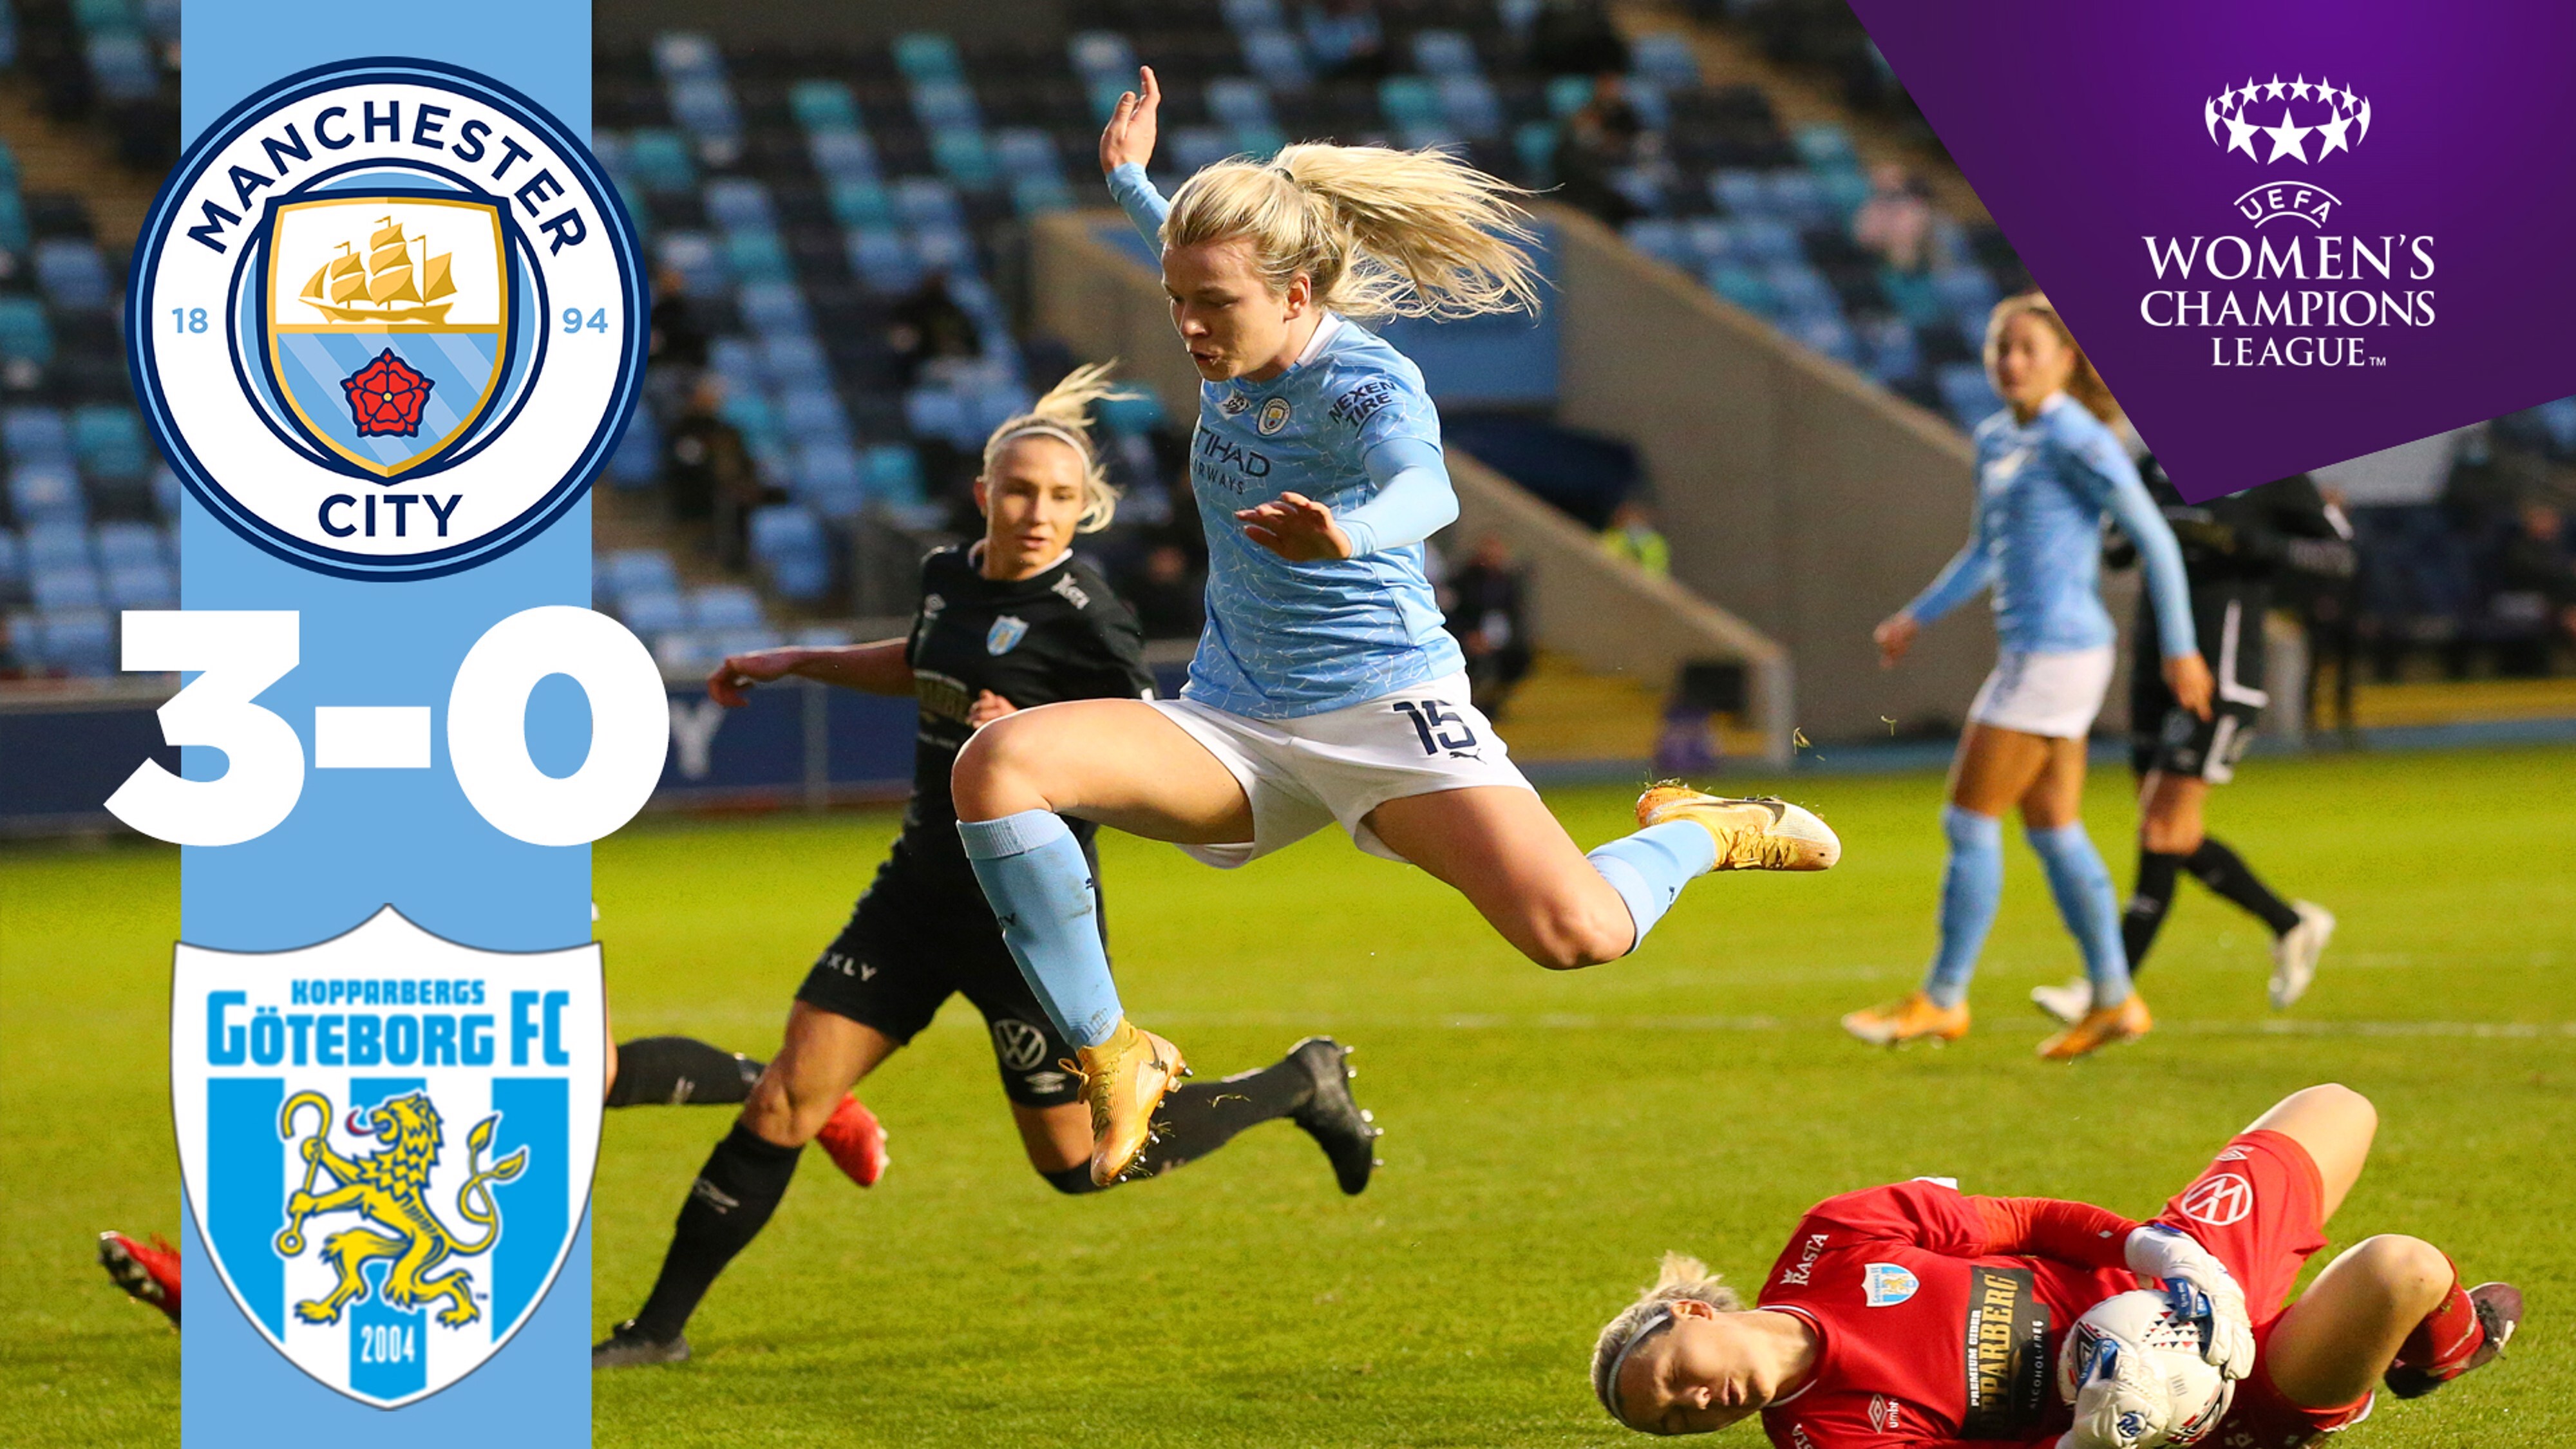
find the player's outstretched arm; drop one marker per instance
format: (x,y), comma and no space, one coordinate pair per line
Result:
(1129,136)
(878,668)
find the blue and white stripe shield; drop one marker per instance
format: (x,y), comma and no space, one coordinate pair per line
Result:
(387,1141)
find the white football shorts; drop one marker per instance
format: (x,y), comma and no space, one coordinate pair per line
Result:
(2056,694)
(1304,774)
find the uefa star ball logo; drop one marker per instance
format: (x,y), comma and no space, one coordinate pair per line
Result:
(387,319)
(2335,119)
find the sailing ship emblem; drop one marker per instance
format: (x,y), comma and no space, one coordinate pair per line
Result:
(385,285)
(389,324)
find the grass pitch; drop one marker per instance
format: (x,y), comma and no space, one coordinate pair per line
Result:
(1548,1135)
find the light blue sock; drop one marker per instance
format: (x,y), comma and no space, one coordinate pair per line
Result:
(1971,888)
(1649,869)
(1033,872)
(2082,885)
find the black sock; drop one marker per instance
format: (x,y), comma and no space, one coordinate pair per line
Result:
(657,1071)
(1072,1181)
(2148,904)
(728,1205)
(2218,868)
(1196,1118)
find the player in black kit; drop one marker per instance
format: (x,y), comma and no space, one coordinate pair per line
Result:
(1011,623)
(2235,549)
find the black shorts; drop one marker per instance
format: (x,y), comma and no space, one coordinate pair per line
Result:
(2163,736)
(919,936)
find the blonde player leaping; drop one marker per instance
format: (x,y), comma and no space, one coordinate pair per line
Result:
(1325,689)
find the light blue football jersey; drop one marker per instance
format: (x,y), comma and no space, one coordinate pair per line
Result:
(1290,639)
(2043,489)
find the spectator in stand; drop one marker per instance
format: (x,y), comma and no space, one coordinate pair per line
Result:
(1599,139)
(676,354)
(709,473)
(1484,602)
(1169,599)
(929,327)
(1895,224)
(1575,37)
(1632,535)
(2537,564)
(1346,40)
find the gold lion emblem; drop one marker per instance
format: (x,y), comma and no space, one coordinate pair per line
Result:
(387,1187)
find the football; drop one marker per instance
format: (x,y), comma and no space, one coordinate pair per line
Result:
(2133,1370)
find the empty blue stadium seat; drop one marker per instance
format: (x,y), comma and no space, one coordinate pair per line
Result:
(942,103)
(790,359)
(686,55)
(47,492)
(1710,240)
(824,105)
(66,586)
(1037,195)
(1741,285)
(943,248)
(736,202)
(121,65)
(881,260)
(812,411)
(843,155)
(757,256)
(724,606)
(637,463)
(1238,103)
(1913,297)
(1471,107)
(121,545)
(142,586)
(72,275)
(1739,193)
(58,543)
(1134,412)
(1795,195)
(77,641)
(1967,392)
(926,56)
(1567,94)
(693,254)
(659,160)
(936,412)
(1259,142)
(13,565)
(1444,53)
(653,613)
(1824,333)
(1534,142)
(165,496)
(1665,57)
(1797,288)
(35,434)
(1102,55)
(860,203)
(825,466)
(893,473)
(1274,55)
(1195,147)
(1889,351)
(1768,239)
(641,571)
(961,155)
(1825,146)
(789,543)
(774,307)
(925,201)
(1968,292)
(1409,100)
(1027,153)
(705,108)
(1660,239)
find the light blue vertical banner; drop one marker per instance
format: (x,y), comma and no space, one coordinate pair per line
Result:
(360,838)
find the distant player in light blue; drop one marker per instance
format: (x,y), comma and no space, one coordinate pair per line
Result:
(2049,469)
(1325,690)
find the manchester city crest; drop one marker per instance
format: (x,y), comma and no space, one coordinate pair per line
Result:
(388,319)
(387,1142)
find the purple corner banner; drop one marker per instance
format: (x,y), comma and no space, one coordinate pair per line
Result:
(2287,233)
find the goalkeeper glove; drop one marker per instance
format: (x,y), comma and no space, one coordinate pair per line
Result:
(2227,1339)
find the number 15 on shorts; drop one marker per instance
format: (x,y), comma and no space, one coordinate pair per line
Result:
(1438,727)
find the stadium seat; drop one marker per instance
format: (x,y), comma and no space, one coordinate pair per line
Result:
(859,203)
(72,275)
(893,473)
(1444,53)
(35,434)
(686,55)
(724,606)
(1275,56)
(1130,413)
(927,56)
(881,260)
(1027,153)
(142,586)
(1967,393)
(42,493)
(1661,239)
(122,545)
(654,612)
(66,586)
(659,160)
(945,103)
(1741,285)
(789,359)
(1102,55)
(823,105)
(693,254)
(1665,58)
(844,156)
(962,157)
(812,412)
(736,203)
(773,307)
(757,256)
(637,462)
(1196,147)
(80,641)
(1470,107)
(789,543)
(1239,103)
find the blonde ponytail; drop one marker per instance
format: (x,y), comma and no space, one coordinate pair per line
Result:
(1379,232)
(1064,415)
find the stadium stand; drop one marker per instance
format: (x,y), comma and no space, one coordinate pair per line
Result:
(841,226)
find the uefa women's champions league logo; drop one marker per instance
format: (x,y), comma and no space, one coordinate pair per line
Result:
(2292,295)
(387,319)
(387,1142)
(2338,120)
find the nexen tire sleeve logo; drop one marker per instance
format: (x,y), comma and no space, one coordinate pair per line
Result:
(387,319)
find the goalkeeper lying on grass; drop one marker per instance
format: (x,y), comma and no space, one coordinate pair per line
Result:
(1915,1315)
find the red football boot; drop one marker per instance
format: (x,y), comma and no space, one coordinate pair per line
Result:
(150,1275)
(855,1141)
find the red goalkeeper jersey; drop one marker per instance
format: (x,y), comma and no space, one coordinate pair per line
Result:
(1940,1314)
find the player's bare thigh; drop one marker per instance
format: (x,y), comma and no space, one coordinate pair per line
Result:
(2056,796)
(824,1055)
(1120,762)
(1499,846)
(2332,1345)
(2335,1124)
(1995,767)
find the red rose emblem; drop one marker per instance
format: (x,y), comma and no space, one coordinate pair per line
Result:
(386,397)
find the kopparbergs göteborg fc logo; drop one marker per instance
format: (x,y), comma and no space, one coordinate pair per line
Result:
(386,319)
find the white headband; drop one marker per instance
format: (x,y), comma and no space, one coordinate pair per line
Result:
(1606,1388)
(1042,428)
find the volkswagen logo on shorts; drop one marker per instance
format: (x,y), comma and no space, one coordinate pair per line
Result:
(1021,1046)
(386,319)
